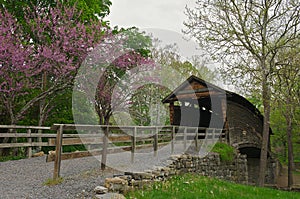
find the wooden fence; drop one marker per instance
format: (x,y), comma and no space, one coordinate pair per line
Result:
(30,135)
(103,140)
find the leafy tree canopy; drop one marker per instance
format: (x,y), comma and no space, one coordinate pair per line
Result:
(91,9)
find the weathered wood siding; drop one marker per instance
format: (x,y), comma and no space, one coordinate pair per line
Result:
(245,126)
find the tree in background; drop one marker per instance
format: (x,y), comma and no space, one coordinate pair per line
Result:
(17,63)
(168,55)
(109,67)
(87,11)
(146,107)
(58,44)
(90,9)
(105,67)
(110,78)
(287,89)
(247,36)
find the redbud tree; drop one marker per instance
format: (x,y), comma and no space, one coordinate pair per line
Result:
(51,49)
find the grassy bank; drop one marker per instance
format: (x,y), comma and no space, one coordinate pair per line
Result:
(194,186)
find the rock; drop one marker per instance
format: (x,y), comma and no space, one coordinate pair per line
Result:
(39,154)
(141,175)
(110,196)
(100,190)
(116,184)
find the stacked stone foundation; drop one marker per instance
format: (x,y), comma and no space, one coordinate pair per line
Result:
(211,166)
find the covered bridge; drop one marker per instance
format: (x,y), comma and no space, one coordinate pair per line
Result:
(198,103)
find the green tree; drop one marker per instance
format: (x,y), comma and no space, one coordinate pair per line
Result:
(287,89)
(91,9)
(247,36)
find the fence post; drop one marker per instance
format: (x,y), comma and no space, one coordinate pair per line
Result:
(172,139)
(39,139)
(14,140)
(104,150)
(58,151)
(213,134)
(29,140)
(133,144)
(155,144)
(185,138)
(196,140)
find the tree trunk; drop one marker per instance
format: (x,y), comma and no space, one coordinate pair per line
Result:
(42,108)
(42,117)
(6,151)
(289,119)
(284,151)
(266,127)
(105,144)
(290,155)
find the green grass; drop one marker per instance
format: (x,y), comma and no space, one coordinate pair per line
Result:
(198,187)
(52,182)
(226,152)
(11,157)
(297,172)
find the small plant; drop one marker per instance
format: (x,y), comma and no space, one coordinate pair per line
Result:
(225,151)
(52,182)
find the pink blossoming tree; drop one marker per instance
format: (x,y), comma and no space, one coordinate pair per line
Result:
(39,63)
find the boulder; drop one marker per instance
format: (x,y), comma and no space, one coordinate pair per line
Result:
(100,190)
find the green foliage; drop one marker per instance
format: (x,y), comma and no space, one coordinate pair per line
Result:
(226,152)
(60,110)
(278,139)
(191,186)
(11,157)
(137,40)
(91,9)
(73,148)
(144,109)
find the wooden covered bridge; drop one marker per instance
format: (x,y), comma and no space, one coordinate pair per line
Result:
(199,103)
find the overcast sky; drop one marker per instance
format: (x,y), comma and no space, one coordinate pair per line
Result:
(163,14)
(163,18)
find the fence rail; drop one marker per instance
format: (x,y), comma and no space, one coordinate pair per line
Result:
(102,139)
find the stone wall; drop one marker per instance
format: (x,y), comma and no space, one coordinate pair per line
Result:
(235,171)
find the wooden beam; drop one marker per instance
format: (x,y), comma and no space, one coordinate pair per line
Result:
(155,145)
(133,144)
(58,152)
(81,154)
(104,148)
(29,140)
(23,127)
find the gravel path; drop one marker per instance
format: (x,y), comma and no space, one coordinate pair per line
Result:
(25,178)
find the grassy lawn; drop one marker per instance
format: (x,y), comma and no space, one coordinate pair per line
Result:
(194,186)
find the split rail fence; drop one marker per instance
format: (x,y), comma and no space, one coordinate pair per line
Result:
(101,139)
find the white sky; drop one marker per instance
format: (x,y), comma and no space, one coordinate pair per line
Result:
(163,14)
(163,18)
